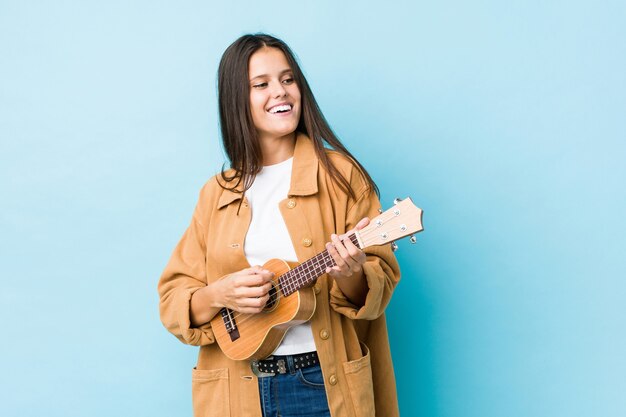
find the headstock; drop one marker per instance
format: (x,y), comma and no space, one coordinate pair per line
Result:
(401,220)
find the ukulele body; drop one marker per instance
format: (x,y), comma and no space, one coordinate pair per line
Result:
(258,335)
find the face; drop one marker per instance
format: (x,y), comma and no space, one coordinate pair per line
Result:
(274,95)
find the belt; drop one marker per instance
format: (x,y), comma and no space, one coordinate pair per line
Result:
(283,364)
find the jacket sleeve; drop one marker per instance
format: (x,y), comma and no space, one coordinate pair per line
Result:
(381,270)
(184,274)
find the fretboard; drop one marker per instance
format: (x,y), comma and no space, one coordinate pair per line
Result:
(307,272)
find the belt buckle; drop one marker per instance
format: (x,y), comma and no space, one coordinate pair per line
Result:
(282,369)
(255,370)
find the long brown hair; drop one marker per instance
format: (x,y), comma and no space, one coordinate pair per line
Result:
(239,134)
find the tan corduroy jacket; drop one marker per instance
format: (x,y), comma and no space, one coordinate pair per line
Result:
(351,341)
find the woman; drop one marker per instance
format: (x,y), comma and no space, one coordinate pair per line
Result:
(283,197)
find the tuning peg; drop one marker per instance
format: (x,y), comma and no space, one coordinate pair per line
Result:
(394,246)
(396,200)
(380,210)
(413,239)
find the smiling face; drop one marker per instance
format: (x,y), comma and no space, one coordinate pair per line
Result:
(274,94)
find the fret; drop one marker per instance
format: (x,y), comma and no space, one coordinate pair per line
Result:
(308,271)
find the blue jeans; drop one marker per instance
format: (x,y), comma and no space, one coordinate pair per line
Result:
(299,392)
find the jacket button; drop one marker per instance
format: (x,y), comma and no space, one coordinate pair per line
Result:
(291,203)
(324,334)
(317,289)
(307,242)
(332,380)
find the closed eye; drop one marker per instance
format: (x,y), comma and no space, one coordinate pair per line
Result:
(259,85)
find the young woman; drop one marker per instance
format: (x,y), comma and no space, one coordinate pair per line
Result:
(293,191)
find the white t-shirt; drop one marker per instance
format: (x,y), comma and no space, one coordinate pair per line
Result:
(268,238)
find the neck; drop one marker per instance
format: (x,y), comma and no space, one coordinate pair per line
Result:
(277,149)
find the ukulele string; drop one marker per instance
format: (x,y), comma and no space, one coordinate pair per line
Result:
(247,316)
(363,234)
(275,291)
(307,273)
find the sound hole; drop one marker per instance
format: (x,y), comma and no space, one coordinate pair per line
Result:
(273,301)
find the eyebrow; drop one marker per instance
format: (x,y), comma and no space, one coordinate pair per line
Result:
(265,75)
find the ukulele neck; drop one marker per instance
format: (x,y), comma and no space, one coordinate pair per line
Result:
(309,271)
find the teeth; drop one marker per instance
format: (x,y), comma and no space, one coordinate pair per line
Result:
(283,107)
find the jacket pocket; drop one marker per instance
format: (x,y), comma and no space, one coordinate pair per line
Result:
(359,378)
(209,391)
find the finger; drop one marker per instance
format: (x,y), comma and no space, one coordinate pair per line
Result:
(362,223)
(248,310)
(252,270)
(253,302)
(339,245)
(256,270)
(251,292)
(355,253)
(267,274)
(257,292)
(335,272)
(259,278)
(343,252)
(359,226)
(242,277)
(332,250)
(339,261)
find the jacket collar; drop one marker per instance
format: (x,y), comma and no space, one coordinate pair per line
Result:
(303,173)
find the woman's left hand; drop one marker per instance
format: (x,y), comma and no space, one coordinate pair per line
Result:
(348,258)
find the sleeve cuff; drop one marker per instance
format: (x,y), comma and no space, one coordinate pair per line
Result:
(371,309)
(192,336)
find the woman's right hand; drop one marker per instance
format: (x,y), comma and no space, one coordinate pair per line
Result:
(245,291)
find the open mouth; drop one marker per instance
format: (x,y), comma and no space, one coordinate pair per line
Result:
(281,108)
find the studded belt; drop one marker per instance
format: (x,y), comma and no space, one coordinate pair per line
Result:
(283,364)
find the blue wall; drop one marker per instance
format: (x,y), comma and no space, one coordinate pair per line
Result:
(505,121)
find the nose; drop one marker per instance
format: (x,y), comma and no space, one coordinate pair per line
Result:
(278,90)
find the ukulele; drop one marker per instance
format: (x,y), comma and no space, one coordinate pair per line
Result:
(292,300)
